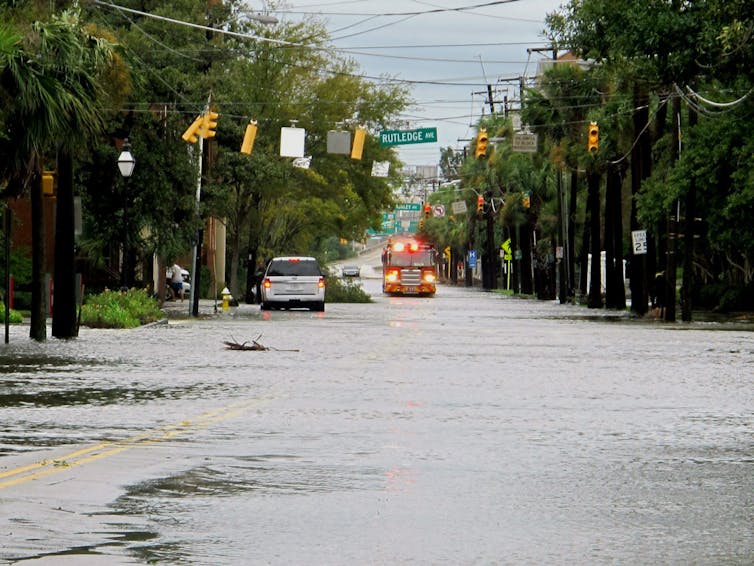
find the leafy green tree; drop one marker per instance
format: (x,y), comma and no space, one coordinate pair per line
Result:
(558,109)
(660,47)
(273,75)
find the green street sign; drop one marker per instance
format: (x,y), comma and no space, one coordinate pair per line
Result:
(408,206)
(406,137)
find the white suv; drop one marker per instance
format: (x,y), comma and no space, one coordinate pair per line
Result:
(293,282)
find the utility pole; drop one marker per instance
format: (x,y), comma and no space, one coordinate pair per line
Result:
(490,97)
(197,256)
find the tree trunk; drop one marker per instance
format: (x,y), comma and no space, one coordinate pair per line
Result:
(672,236)
(562,263)
(609,241)
(64,314)
(196,281)
(640,169)
(572,208)
(584,256)
(235,262)
(490,265)
(470,233)
(620,298)
(687,288)
(516,263)
(594,300)
(615,292)
(38,323)
(527,279)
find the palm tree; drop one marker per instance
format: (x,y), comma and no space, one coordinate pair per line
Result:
(50,77)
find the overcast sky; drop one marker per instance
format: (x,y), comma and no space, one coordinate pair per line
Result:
(451,54)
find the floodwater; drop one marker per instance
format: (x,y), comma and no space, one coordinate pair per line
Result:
(470,428)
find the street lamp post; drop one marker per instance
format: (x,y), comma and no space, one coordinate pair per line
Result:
(126,164)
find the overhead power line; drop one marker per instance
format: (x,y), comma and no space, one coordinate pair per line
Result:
(284,43)
(414,13)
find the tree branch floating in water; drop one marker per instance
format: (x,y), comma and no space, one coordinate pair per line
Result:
(254,346)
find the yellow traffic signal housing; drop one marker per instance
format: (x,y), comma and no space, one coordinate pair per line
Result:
(248,138)
(48,183)
(192,133)
(593,142)
(480,204)
(357,149)
(209,123)
(481,144)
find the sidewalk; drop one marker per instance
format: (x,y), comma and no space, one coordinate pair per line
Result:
(182,309)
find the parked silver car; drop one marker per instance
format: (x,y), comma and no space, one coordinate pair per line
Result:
(351,271)
(293,282)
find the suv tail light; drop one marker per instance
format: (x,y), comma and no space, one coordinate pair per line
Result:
(267,283)
(321,283)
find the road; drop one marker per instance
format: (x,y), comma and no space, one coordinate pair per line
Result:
(469,428)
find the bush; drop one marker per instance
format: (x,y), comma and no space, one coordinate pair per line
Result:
(725,298)
(15,316)
(120,309)
(342,291)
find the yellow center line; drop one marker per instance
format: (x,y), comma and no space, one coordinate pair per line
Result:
(105,449)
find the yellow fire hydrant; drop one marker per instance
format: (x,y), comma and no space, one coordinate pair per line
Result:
(226,298)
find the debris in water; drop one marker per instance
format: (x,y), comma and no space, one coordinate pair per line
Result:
(254,346)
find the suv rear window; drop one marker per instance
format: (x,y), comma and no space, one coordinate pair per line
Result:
(287,267)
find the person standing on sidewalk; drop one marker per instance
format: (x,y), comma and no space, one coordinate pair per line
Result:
(176,282)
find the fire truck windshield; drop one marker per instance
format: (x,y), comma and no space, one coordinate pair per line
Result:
(415,259)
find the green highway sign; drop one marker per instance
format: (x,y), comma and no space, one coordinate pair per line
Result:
(409,206)
(405,137)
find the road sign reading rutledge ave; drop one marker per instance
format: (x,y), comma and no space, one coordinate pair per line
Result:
(405,137)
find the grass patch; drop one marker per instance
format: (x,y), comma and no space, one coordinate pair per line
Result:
(345,291)
(120,309)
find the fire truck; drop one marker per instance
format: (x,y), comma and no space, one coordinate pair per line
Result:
(409,267)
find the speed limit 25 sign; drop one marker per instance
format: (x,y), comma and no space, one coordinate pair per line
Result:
(639,240)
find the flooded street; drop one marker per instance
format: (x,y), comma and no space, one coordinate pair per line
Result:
(470,428)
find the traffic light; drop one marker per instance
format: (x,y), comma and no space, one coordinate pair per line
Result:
(593,143)
(481,144)
(248,138)
(526,201)
(427,211)
(209,123)
(479,204)
(48,183)
(192,133)
(358,143)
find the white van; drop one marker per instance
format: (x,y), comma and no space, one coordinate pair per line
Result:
(293,282)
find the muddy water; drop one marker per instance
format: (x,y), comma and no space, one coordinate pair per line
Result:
(468,428)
